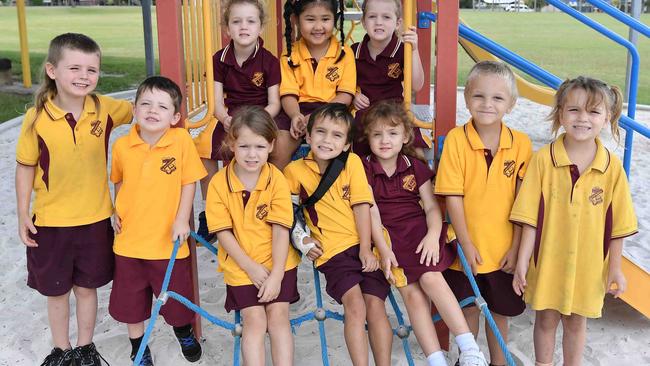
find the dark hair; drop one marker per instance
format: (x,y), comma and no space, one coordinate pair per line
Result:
(257,119)
(163,84)
(338,112)
(391,113)
(296,7)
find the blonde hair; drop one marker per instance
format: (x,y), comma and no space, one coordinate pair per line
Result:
(495,68)
(257,119)
(597,92)
(393,114)
(398,7)
(66,41)
(227,5)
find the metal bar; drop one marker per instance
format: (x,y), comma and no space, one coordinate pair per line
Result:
(24,47)
(148,37)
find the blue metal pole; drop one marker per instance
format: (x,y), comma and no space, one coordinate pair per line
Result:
(621,17)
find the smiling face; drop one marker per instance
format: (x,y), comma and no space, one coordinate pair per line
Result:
(488,99)
(328,138)
(582,122)
(75,74)
(154,112)
(380,20)
(316,23)
(386,141)
(244,24)
(251,150)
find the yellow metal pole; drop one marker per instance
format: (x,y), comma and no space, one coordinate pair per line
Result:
(24,51)
(408,54)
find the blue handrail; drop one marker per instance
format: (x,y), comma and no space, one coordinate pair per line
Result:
(621,17)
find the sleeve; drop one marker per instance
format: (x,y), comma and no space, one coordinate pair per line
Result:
(525,152)
(27,151)
(289,84)
(348,82)
(272,70)
(193,168)
(359,190)
(624,222)
(450,180)
(218,67)
(290,176)
(117,171)
(525,210)
(422,172)
(281,210)
(368,169)
(217,212)
(120,111)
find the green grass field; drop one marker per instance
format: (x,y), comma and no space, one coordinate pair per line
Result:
(554,41)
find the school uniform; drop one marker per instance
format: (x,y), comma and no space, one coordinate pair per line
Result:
(575,216)
(250,216)
(488,186)
(147,203)
(69,157)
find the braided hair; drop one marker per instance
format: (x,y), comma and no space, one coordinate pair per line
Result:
(296,7)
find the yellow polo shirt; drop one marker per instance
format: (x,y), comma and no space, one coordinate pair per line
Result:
(251,223)
(575,221)
(70,159)
(488,192)
(331,219)
(318,84)
(148,200)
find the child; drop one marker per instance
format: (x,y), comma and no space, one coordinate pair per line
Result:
(481,166)
(340,227)
(418,236)
(61,155)
(245,73)
(249,208)
(317,69)
(575,194)
(380,63)
(154,169)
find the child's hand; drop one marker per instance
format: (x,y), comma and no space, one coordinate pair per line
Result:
(298,125)
(117,224)
(509,262)
(388,261)
(314,252)
(472,256)
(616,277)
(519,279)
(257,273)
(430,250)
(26,226)
(226,123)
(360,101)
(180,230)
(411,36)
(270,289)
(369,262)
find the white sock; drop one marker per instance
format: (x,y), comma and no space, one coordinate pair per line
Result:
(466,342)
(436,359)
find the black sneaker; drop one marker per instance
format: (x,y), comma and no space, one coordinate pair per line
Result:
(87,356)
(146,359)
(190,347)
(203,228)
(58,357)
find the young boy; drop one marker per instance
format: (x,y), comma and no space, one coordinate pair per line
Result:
(154,169)
(340,233)
(482,164)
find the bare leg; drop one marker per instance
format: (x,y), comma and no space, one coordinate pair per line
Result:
(573,340)
(380,332)
(354,326)
(285,145)
(58,315)
(496,355)
(546,322)
(277,315)
(419,311)
(436,288)
(86,314)
(254,331)
(135,330)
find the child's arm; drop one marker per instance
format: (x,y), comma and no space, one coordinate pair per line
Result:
(615,274)
(362,220)
(273,96)
(301,239)
(280,250)
(360,101)
(388,259)
(117,223)
(508,263)
(526,247)
(220,110)
(24,185)
(255,271)
(181,226)
(457,215)
(342,97)
(417,75)
(429,246)
(292,109)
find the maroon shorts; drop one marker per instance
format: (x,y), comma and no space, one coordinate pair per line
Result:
(343,271)
(137,280)
(70,256)
(495,287)
(241,297)
(284,122)
(361,146)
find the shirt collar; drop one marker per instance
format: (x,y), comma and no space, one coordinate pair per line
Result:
(301,52)
(135,139)
(228,54)
(311,162)
(505,139)
(560,157)
(390,51)
(57,113)
(403,164)
(235,185)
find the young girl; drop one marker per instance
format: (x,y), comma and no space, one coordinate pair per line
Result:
(380,63)
(417,233)
(249,208)
(245,73)
(576,208)
(317,69)
(61,155)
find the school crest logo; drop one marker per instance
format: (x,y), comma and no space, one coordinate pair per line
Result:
(96,128)
(409,183)
(346,192)
(258,79)
(509,168)
(332,73)
(168,165)
(394,70)
(596,196)
(262,211)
